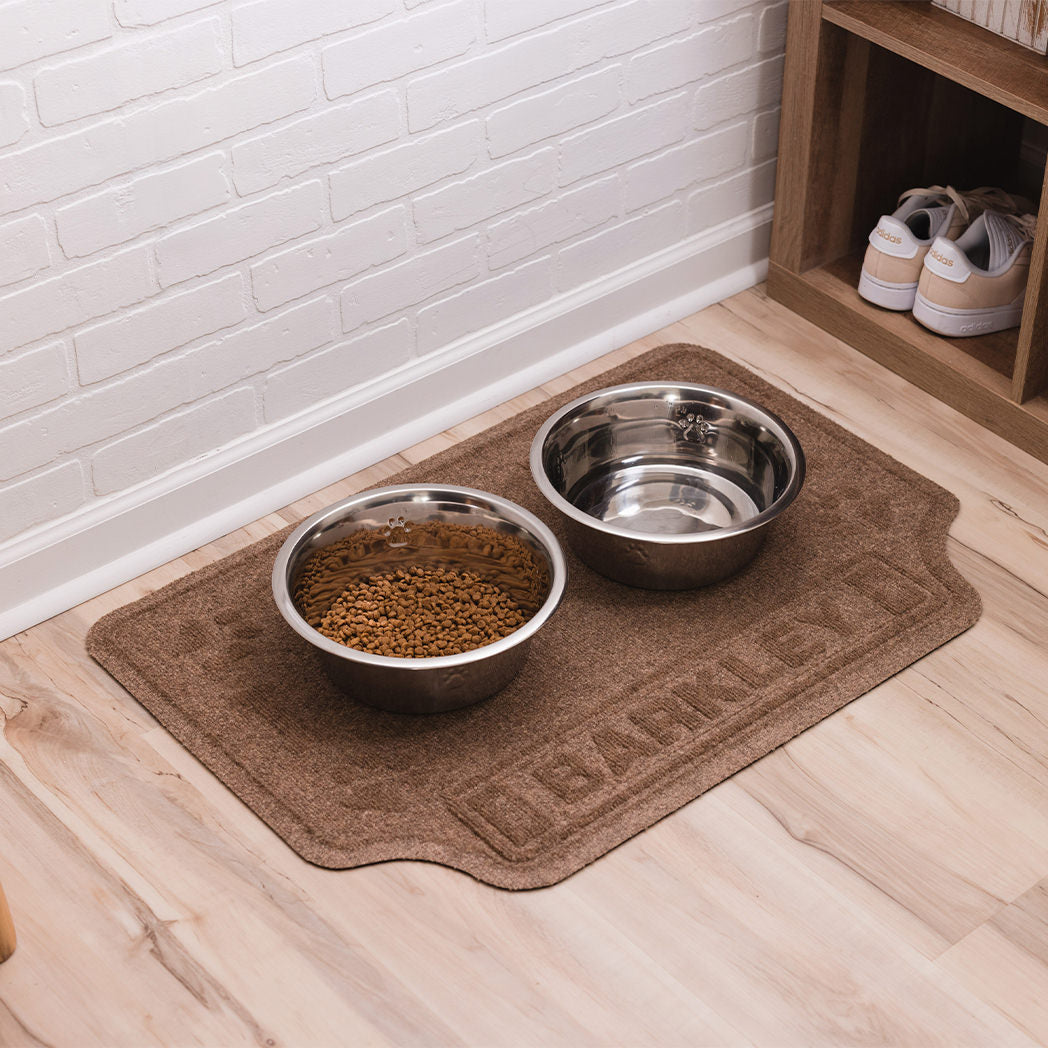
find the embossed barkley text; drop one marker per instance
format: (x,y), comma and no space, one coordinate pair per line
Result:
(660,727)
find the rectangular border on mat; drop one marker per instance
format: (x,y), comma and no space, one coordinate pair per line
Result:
(116,539)
(516,810)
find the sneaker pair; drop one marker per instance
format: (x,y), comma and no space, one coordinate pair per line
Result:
(958,260)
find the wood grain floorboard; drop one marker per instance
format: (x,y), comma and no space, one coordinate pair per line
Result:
(1006,961)
(880,880)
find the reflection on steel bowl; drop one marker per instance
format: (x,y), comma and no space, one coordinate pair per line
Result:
(664,485)
(419,526)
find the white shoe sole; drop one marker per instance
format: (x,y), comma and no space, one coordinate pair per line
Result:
(962,323)
(888,296)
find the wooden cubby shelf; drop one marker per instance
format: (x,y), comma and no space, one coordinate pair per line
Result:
(880,96)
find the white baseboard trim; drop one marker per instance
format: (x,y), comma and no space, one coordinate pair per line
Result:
(60,564)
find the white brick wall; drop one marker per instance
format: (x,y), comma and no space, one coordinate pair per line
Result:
(24,249)
(310,381)
(638,133)
(700,160)
(499,189)
(548,113)
(615,247)
(389,174)
(152,201)
(70,298)
(503,20)
(483,304)
(168,322)
(42,497)
(215,214)
(14,119)
(61,164)
(337,132)
(398,48)
(268,26)
(33,29)
(35,377)
(240,233)
(398,287)
(561,219)
(131,13)
(679,62)
(108,79)
(329,259)
(179,438)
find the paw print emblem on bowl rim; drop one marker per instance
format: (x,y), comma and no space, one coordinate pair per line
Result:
(397,531)
(692,423)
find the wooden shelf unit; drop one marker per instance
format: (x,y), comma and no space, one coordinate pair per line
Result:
(880,96)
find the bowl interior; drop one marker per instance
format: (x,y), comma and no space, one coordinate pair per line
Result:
(385,534)
(669,460)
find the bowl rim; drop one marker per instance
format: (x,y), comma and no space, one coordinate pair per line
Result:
(286,606)
(777,425)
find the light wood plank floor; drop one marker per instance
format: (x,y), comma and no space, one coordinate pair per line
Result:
(882,879)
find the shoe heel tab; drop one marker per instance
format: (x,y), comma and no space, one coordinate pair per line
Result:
(893,237)
(946,259)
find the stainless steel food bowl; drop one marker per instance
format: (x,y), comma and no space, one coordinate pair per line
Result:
(666,486)
(418,685)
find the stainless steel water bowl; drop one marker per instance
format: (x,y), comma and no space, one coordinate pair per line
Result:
(666,486)
(418,685)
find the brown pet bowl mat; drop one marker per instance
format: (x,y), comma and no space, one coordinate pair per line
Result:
(631,702)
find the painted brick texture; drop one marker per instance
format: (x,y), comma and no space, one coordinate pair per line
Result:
(14,118)
(33,29)
(217,214)
(108,79)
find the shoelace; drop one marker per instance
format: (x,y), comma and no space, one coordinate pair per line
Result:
(1025,224)
(974,202)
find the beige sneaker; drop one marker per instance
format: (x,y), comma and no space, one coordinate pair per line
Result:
(977,283)
(892,267)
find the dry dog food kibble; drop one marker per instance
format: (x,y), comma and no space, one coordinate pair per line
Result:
(421,612)
(423,590)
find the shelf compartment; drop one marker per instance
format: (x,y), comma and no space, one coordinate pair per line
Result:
(954,48)
(869,124)
(880,96)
